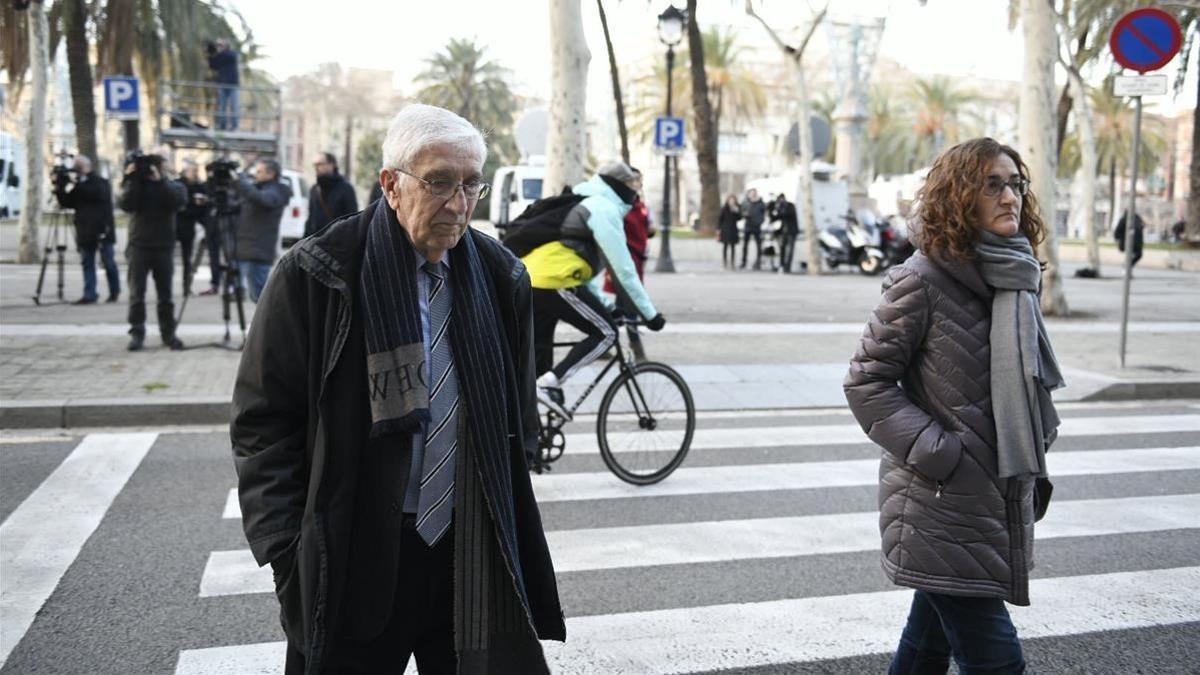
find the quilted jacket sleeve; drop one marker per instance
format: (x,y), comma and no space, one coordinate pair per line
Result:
(893,335)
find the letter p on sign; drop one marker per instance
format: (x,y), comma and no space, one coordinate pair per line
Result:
(121,98)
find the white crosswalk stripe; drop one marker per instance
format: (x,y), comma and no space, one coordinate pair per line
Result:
(838,621)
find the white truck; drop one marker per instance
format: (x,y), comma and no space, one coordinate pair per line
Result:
(513,189)
(12,169)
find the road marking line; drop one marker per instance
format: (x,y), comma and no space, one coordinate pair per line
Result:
(44,535)
(719,637)
(237,573)
(842,434)
(848,473)
(810,629)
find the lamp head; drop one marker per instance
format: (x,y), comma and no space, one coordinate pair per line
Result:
(670,25)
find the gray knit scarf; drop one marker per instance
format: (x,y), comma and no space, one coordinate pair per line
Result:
(1024,370)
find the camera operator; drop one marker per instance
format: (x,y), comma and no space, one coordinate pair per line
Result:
(194,212)
(95,232)
(152,200)
(257,233)
(223,61)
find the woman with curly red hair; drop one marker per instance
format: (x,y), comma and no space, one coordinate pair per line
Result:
(952,378)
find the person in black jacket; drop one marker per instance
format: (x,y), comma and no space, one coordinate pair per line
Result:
(336,437)
(95,232)
(152,199)
(785,212)
(755,212)
(1139,234)
(331,198)
(195,212)
(727,231)
(256,239)
(224,63)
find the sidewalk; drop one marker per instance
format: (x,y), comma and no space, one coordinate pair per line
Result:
(742,340)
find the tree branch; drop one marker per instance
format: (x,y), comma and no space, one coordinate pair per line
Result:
(794,52)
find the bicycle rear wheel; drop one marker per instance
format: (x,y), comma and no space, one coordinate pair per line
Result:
(645,423)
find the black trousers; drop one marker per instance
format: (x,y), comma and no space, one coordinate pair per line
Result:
(422,622)
(581,308)
(160,263)
(729,253)
(787,250)
(756,235)
(185,234)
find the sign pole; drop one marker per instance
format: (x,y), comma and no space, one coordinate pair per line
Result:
(1130,221)
(665,263)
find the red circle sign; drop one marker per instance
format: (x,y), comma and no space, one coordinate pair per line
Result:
(1145,39)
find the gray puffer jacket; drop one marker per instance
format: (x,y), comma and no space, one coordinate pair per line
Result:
(919,384)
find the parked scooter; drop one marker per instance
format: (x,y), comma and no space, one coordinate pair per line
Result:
(894,242)
(856,244)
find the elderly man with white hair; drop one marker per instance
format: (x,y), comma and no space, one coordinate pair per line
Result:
(383,413)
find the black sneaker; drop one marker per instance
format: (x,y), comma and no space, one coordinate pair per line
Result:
(136,343)
(174,344)
(112,298)
(85,301)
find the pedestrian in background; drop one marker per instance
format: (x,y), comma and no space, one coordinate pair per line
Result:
(152,200)
(952,378)
(95,231)
(755,212)
(1139,236)
(789,228)
(727,231)
(331,198)
(256,241)
(195,212)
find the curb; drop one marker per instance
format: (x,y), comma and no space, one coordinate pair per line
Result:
(149,411)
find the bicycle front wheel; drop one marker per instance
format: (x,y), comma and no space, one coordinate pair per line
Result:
(645,423)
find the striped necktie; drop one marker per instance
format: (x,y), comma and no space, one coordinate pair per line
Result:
(435,506)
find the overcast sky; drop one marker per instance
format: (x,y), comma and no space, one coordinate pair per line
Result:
(953,37)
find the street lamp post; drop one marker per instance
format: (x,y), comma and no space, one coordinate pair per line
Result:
(670,32)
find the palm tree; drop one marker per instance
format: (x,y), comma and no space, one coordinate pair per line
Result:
(462,78)
(939,107)
(890,142)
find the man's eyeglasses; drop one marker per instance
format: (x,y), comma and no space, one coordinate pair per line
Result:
(445,189)
(993,186)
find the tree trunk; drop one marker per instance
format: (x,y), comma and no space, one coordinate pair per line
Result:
(1036,132)
(1192,228)
(616,84)
(566,142)
(83,102)
(348,170)
(35,135)
(1086,176)
(706,135)
(1062,114)
(806,179)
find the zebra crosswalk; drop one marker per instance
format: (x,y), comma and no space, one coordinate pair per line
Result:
(761,554)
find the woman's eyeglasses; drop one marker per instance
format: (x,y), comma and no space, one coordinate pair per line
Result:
(993,186)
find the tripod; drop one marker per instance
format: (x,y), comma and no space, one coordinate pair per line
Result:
(232,292)
(55,242)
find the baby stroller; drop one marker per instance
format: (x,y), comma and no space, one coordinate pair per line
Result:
(772,232)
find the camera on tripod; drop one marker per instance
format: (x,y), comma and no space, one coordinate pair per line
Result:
(144,164)
(221,174)
(63,171)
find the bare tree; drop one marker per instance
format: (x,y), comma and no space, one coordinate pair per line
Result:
(35,134)
(1085,177)
(566,142)
(616,84)
(1036,132)
(805,203)
(706,132)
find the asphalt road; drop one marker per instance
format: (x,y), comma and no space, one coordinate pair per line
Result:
(153,583)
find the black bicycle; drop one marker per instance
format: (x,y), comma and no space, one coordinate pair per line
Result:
(644,424)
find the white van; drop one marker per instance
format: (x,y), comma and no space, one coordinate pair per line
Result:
(291,228)
(513,189)
(12,166)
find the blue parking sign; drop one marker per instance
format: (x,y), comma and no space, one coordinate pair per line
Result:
(668,133)
(121,98)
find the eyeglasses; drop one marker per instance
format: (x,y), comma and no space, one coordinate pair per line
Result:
(992,187)
(445,189)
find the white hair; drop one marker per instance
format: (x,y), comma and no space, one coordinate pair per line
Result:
(418,126)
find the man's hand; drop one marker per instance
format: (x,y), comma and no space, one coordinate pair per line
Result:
(656,324)
(154,174)
(130,168)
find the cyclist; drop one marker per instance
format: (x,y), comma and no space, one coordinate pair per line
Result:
(566,276)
